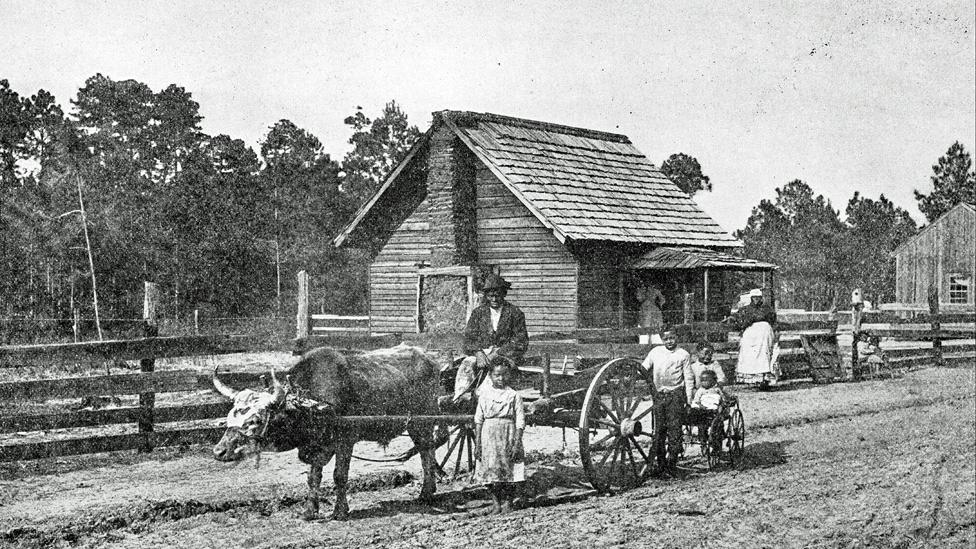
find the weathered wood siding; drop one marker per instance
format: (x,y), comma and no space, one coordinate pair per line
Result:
(393,275)
(926,261)
(599,296)
(541,270)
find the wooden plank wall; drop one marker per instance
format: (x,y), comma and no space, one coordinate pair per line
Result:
(942,248)
(540,268)
(393,275)
(598,296)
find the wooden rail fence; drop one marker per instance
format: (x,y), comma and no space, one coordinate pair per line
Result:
(146,417)
(562,357)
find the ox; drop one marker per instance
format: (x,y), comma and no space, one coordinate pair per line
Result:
(323,386)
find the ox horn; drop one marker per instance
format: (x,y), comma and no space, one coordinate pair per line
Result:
(278,388)
(221,388)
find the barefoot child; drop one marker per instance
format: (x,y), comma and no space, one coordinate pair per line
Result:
(499,421)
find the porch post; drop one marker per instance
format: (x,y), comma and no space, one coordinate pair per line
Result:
(706,296)
(620,300)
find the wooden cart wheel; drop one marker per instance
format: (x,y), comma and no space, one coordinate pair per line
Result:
(614,441)
(710,450)
(736,434)
(456,457)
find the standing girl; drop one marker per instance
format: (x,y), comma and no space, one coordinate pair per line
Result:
(499,422)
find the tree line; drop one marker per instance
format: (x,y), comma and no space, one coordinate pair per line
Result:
(221,227)
(822,257)
(224,228)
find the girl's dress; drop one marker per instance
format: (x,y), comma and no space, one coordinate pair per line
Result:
(500,412)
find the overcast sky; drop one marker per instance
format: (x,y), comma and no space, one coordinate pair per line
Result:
(845,95)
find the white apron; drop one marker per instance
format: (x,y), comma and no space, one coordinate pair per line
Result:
(757,360)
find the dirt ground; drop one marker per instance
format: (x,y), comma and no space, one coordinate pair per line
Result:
(885,463)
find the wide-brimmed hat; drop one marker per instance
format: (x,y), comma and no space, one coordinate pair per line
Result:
(495,282)
(755,292)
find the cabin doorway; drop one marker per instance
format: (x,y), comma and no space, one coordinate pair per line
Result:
(446,296)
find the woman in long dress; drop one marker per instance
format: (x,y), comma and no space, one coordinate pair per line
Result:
(757,348)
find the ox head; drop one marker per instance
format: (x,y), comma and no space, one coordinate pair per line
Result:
(255,414)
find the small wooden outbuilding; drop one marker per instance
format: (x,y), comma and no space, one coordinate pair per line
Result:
(941,256)
(577,220)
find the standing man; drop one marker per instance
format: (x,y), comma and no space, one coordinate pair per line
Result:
(495,329)
(756,362)
(674,389)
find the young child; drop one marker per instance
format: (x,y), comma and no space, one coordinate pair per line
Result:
(499,421)
(705,362)
(705,404)
(870,357)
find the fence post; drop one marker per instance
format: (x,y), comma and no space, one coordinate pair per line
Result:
(304,319)
(147,401)
(936,325)
(76,324)
(857,314)
(546,365)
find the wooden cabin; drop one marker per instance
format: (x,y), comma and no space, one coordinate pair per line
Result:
(941,256)
(577,220)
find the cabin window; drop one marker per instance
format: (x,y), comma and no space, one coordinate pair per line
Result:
(959,286)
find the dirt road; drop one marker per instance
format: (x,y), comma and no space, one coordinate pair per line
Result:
(872,464)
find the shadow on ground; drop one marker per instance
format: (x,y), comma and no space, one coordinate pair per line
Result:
(763,455)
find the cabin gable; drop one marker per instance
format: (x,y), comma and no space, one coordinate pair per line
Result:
(941,257)
(512,241)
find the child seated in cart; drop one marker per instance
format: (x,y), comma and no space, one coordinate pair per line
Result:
(499,421)
(709,397)
(705,361)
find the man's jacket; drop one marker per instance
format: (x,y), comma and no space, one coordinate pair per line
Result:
(511,338)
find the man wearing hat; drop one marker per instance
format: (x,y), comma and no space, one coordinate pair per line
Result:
(757,363)
(495,329)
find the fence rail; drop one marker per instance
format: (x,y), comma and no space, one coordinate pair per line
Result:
(322,323)
(162,426)
(147,415)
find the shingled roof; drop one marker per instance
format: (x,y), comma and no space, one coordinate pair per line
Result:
(696,258)
(583,184)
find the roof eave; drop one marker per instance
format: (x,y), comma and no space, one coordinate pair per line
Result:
(390,179)
(965,205)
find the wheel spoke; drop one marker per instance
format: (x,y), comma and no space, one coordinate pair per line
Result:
(469,438)
(609,424)
(596,445)
(634,404)
(613,463)
(450,448)
(623,396)
(641,450)
(460,454)
(633,464)
(644,413)
(614,399)
(607,455)
(624,401)
(608,411)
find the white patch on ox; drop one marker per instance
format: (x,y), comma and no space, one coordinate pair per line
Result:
(247,404)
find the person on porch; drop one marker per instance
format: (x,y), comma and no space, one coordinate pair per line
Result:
(651,301)
(495,330)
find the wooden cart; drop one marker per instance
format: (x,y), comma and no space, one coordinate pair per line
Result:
(610,408)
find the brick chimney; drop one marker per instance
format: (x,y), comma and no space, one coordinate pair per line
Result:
(451,197)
